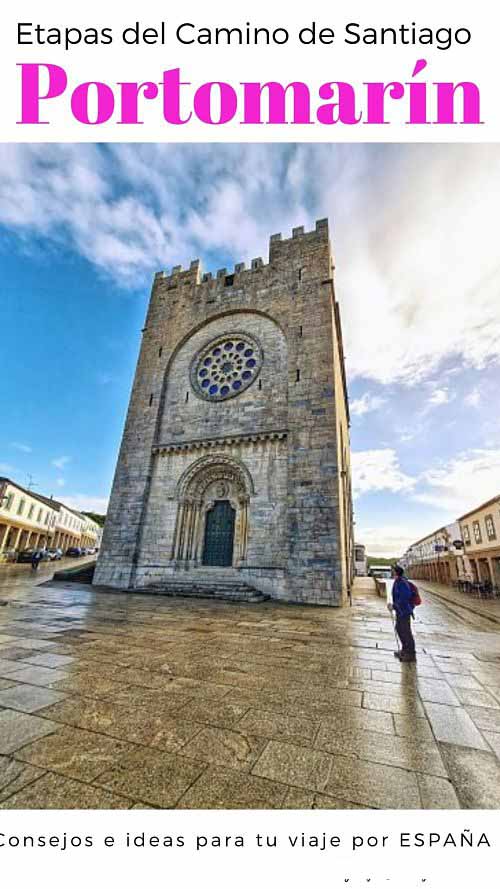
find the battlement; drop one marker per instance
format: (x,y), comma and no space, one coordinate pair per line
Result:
(277,245)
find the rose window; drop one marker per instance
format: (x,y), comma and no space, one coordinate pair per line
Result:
(226,366)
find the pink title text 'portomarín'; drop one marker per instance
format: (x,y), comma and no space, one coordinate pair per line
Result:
(45,86)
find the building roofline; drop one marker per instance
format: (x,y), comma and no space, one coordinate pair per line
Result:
(433,533)
(56,505)
(478,508)
(45,500)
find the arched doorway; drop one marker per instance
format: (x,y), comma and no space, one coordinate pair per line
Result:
(213,513)
(219,535)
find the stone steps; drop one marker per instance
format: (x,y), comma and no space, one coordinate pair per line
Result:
(228,590)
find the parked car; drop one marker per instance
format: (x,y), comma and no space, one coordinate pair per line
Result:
(55,553)
(9,555)
(74,552)
(384,572)
(26,555)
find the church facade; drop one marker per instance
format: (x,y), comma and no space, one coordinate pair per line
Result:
(235,458)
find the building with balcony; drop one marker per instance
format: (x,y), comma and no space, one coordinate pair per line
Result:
(480,532)
(29,519)
(439,557)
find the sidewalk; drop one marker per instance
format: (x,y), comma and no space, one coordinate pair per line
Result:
(487,608)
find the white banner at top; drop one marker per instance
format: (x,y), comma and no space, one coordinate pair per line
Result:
(198,72)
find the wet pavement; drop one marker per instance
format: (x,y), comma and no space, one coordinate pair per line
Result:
(110,700)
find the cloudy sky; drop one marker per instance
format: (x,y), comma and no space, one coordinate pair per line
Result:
(415,234)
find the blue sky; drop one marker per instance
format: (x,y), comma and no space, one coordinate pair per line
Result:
(83,228)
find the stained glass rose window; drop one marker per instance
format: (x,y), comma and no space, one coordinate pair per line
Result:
(226,366)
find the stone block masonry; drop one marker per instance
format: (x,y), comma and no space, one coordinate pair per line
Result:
(235,454)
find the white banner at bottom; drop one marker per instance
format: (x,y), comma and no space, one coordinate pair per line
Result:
(228,849)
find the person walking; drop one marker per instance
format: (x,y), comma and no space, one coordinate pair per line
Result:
(402,604)
(36,559)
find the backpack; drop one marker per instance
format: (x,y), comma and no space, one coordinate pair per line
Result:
(415,595)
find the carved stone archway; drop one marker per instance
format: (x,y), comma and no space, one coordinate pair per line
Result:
(204,483)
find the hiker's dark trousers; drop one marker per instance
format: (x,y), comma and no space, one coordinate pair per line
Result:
(403,629)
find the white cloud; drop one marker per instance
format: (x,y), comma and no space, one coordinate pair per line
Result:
(388,540)
(61,462)
(461,483)
(439,397)
(378,470)
(87,503)
(365,404)
(417,265)
(60,482)
(6,468)
(419,280)
(473,398)
(26,449)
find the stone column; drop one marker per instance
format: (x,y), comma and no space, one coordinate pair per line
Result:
(199,535)
(186,535)
(194,542)
(179,532)
(18,535)
(243,535)
(4,538)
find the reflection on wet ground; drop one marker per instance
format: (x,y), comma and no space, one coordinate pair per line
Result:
(109,700)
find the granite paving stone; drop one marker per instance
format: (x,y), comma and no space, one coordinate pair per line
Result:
(7,667)
(88,686)
(37,675)
(56,792)
(18,729)
(408,726)
(29,698)
(15,775)
(219,788)
(453,725)
(475,775)
(485,718)
(224,747)
(297,798)
(276,725)
(493,739)
(321,801)
(152,776)
(372,785)
(357,719)
(463,680)
(475,698)
(88,713)
(74,752)
(153,729)
(408,753)
(291,764)
(437,691)
(393,704)
(437,793)
(49,660)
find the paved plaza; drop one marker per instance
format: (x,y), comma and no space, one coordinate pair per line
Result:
(111,700)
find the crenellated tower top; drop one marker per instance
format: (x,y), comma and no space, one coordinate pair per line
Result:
(279,248)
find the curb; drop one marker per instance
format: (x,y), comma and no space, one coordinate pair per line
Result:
(491,617)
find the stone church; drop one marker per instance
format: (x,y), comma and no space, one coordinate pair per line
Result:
(233,476)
